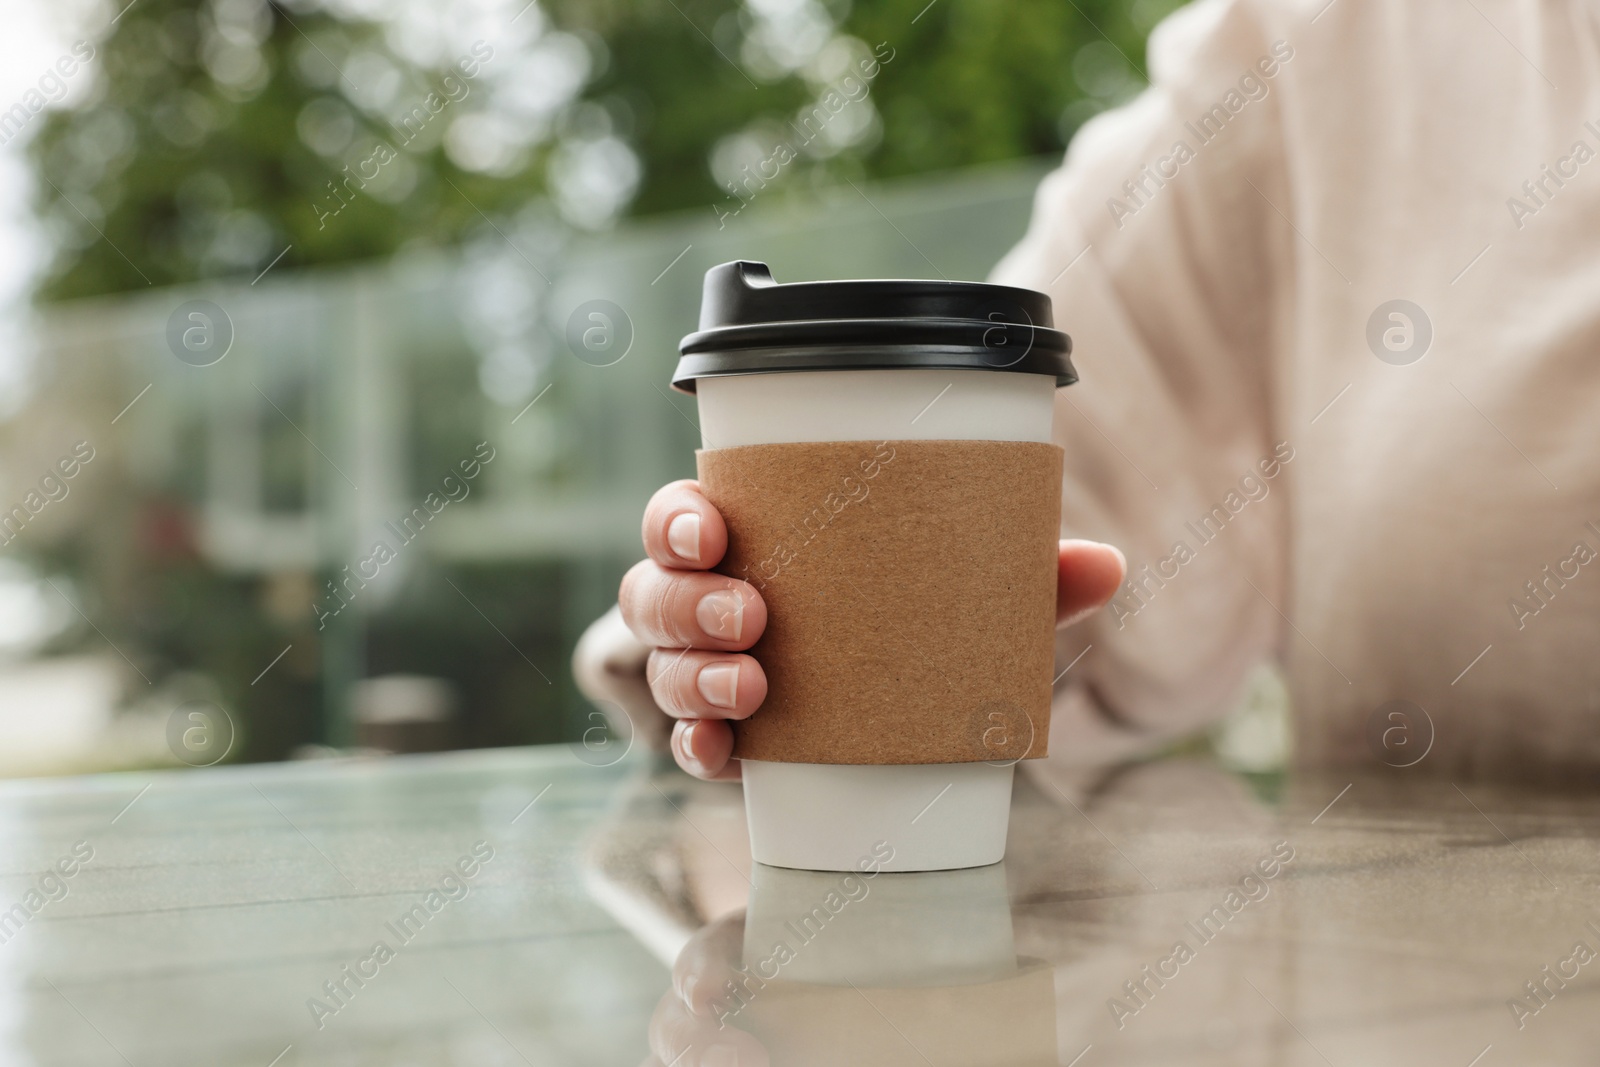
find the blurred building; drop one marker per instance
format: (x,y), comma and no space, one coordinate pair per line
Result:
(434,467)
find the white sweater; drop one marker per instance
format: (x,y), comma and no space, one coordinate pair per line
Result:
(1260,427)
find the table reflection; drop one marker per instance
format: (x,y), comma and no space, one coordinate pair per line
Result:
(860,968)
(1164,913)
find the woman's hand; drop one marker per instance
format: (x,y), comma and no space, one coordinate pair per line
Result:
(687,629)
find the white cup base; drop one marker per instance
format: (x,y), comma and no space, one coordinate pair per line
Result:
(839,817)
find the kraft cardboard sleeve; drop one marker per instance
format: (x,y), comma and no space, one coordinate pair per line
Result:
(910,590)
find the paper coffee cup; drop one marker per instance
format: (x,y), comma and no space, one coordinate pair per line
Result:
(956,382)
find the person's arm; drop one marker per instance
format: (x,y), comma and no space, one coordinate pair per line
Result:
(1170,268)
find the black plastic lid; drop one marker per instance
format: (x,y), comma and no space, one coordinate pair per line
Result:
(749,324)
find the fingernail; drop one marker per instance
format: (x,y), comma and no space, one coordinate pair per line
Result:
(683,536)
(721,614)
(1121,557)
(719,684)
(691,762)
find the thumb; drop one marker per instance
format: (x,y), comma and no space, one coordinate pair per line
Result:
(1088,575)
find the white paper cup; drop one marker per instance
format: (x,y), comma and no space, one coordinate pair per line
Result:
(830,817)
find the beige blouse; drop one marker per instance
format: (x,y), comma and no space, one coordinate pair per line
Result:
(1334,284)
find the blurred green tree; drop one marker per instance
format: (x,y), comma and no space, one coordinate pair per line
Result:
(222,134)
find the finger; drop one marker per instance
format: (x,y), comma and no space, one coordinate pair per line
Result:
(705,965)
(688,609)
(703,747)
(682,529)
(1088,575)
(705,685)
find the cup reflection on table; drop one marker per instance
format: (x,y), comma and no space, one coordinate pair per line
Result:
(859,968)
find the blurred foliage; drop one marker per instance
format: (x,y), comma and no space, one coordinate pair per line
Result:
(967,83)
(217,126)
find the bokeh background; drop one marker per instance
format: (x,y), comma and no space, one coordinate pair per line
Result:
(283,267)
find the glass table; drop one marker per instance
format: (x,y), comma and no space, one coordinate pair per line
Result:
(521,906)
